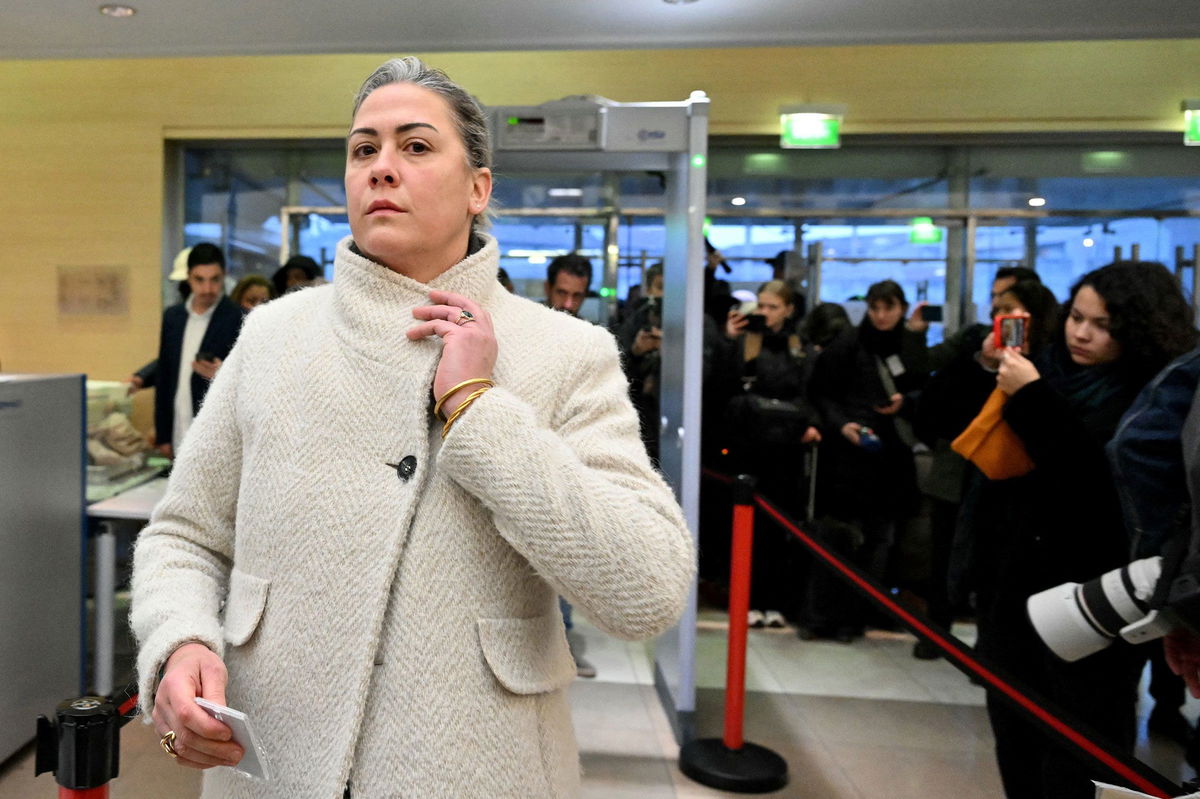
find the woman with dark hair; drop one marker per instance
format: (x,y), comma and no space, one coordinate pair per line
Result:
(953,397)
(824,323)
(864,386)
(1061,521)
(299,271)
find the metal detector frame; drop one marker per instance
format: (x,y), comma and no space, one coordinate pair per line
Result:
(593,134)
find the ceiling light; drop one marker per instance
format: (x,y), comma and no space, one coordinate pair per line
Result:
(1191,123)
(1037,202)
(119,12)
(738,201)
(565,192)
(1089,242)
(678,2)
(811,127)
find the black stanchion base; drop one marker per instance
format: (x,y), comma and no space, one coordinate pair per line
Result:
(751,769)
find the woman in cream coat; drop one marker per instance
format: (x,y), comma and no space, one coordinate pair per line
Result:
(375,587)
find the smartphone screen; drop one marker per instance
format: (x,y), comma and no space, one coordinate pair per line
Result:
(931,313)
(1009,331)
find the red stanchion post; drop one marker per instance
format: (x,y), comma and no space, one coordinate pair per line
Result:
(731,763)
(739,608)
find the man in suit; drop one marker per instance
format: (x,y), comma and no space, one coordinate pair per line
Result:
(196,337)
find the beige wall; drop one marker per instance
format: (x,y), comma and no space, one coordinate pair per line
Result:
(81,142)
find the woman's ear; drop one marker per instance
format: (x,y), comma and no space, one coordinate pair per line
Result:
(481,190)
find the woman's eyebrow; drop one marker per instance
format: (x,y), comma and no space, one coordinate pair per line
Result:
(405,128)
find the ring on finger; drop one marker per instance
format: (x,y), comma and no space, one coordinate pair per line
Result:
(464,316)
(167,742)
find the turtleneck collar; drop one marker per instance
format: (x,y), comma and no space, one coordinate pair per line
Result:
(372,304)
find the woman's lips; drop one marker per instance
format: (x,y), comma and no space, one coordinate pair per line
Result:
(383,207)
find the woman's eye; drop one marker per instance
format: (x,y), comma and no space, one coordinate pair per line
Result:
(418,147)
(362,150)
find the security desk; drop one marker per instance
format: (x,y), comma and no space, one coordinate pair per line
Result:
(132,507)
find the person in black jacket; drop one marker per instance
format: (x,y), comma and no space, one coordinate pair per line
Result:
(770,420)
(952,398)
(1061,522)
(196,337)
(864,386)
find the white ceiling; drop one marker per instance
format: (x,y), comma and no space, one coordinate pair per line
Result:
(75,28)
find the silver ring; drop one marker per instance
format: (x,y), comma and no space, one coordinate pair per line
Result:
(464,316)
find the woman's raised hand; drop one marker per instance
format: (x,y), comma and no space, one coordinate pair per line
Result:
(1016,371)
(735,323)
(469,349)
(200,740)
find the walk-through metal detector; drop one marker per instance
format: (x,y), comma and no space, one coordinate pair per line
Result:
(594,134)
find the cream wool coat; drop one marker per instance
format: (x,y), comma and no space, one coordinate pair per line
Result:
(403,634)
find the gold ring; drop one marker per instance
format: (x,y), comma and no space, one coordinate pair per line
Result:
(464,317)
(167,742)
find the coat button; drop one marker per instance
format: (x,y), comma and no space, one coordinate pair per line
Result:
(406,468)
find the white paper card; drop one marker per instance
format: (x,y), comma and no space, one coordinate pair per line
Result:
(1106,791)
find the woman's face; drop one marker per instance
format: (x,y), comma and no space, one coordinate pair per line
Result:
(774,309)
(885,314)
(253,296)
(410,193)
(296,277)
(1007,304)
(1087,330)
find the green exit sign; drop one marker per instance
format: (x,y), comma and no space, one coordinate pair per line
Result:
(923,231)
(1191,128)
(808,131)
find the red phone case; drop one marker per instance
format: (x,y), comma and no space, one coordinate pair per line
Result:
(998,327)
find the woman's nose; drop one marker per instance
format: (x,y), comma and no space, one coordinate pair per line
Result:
(383,172)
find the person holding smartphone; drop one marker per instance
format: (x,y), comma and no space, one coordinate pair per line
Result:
(864,384)
(1062,521)
(770,421)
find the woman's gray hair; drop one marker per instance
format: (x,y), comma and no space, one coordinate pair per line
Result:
(468,115)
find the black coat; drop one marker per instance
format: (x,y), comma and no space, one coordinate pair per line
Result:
(218,339)
(847,387)
(767,442)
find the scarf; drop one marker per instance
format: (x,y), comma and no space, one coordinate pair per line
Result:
(880,342)
(1100,394)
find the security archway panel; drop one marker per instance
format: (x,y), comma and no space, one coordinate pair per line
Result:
(595,134)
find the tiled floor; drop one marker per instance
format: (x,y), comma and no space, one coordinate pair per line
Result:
(855,721)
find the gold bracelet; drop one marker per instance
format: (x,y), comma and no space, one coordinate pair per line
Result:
(459,410)
(437,408)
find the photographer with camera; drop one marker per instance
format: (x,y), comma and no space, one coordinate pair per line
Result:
(1060,520)
(769,420)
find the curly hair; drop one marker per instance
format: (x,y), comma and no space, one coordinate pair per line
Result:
(1148,314)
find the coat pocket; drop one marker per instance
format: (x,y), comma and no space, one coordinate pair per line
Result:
(528,656)
(244,606)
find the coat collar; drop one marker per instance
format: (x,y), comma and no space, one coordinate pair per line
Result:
(372,304)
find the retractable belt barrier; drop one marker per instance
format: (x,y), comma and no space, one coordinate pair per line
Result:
(1138,775)
(82,745)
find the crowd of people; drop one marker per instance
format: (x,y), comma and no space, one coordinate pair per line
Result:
(537,486)
(1033,506)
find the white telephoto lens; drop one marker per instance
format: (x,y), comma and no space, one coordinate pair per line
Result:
(1060,623)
